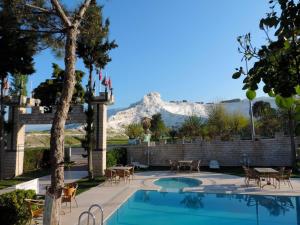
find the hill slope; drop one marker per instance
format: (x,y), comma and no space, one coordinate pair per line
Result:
(173,113)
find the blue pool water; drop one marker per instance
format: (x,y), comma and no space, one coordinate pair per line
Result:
(176,183)
(190,208)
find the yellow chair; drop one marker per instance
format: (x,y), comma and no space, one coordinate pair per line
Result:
(36,209)
(69,193)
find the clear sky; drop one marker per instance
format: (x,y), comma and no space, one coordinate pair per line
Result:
(184,49)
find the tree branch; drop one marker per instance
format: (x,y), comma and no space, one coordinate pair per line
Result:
(61,13)
(81,12)
(38,8)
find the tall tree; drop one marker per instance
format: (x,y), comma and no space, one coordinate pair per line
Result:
(93,47)
(278,61)
(192,126)
(50,90)
(19,85)
(16,56)
(158,127)
(59,28)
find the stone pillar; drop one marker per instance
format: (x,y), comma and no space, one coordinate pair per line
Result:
(99,153)
(14,151)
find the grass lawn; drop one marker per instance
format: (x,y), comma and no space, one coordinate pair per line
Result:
(117,141)
(24,177)
(85,184)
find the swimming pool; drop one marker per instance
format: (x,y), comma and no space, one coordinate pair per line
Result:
(176,183)
(191,208)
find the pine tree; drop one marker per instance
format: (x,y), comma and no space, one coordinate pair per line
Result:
(93,47)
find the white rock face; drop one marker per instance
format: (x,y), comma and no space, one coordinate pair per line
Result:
(173,113)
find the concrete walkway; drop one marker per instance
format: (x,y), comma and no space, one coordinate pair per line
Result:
(70,176)
(110,197)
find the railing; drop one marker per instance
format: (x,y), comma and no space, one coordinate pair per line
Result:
(91,214)
(101,211)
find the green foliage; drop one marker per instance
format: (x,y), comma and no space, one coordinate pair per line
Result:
(261,108)
(224,124)
(93,45)
(19,85)
(36,158)
(158,127)
(13,208)
(192,127)
(277,62)
(134,131)
(173,132)
(17,48)
(49,91)
(268,120)
(116,156)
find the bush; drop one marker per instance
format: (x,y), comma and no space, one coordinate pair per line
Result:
(36,158)
(116,156)
(13,209)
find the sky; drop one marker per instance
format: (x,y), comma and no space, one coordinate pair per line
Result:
(183,49)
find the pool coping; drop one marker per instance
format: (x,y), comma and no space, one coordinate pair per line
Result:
(120,193)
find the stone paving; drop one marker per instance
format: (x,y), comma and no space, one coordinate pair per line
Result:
(110,197)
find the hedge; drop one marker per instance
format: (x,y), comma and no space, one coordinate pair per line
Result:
(36,158)
(13,208)
(116,156)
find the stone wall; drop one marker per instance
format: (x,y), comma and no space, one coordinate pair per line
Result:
(262,152)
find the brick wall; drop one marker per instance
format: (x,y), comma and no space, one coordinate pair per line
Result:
(262,152)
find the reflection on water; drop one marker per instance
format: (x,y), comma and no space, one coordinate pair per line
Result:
(167,208)
(193,201)
(276,205)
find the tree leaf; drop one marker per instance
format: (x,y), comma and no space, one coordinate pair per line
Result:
(236,75)
(251,94)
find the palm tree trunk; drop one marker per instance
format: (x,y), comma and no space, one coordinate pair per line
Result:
(53,196)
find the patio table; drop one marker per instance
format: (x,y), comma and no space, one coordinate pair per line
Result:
(185,163)
(267,173)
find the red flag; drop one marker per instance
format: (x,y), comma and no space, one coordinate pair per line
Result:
(104,81)
(100,75)
(109,83)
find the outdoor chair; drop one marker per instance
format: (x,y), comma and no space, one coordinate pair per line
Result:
(174,165)
(284,176)
(251,175)
(131,170)
(110,175)
(125,174)
(196,165)
(69,194)
(36,209)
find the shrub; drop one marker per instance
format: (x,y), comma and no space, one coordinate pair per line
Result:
(13,209)
(36,158)
(134,131)
(116,156)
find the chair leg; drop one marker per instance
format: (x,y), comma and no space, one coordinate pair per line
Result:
(76,202)
(290,184)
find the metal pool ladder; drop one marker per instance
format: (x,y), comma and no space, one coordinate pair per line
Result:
(92,215)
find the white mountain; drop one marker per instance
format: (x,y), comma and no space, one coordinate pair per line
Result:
(173,113)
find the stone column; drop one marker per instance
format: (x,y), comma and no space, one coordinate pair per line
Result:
(99,153)
(14,151)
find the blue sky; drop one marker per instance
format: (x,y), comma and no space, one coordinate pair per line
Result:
(184,49)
